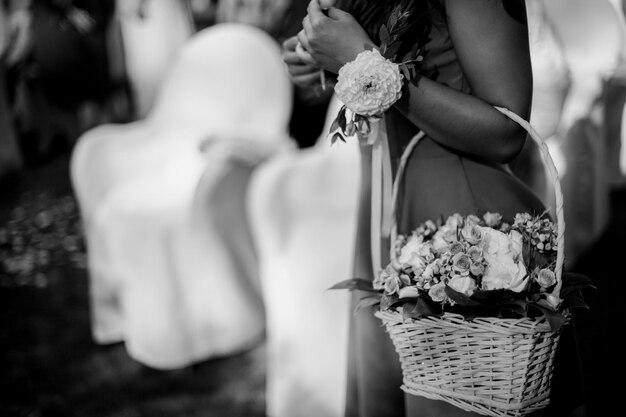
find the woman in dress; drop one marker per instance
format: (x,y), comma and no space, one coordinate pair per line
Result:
(476,57)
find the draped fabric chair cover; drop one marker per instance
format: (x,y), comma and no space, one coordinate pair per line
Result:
(172,267)
(303,208)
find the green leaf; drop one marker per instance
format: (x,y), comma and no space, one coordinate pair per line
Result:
(393,19)
(341,117)
(424,309)
(415,51)
(555,318)
(337,136)
(387,301)
(515,308)
(385,37)
(573,278)
(577,302)
(354,284)
(407,309)
(335,125)
(405,71)
(367,302)
(391,50)
(407,57)
(461,298)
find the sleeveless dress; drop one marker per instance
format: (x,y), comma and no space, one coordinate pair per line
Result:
(438,181)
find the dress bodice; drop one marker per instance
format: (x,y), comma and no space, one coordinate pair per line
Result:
(441,56)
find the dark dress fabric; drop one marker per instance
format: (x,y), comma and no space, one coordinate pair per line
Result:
(438,181)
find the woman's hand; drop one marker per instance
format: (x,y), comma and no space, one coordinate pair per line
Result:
(303,74)
(331,39)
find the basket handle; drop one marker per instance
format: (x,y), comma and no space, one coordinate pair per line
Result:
(548,164)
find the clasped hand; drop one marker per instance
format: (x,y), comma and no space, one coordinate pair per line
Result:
(329,38)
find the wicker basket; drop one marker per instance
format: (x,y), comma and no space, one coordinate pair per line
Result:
(491,366)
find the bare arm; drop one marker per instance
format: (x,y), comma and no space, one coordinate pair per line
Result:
(492,47)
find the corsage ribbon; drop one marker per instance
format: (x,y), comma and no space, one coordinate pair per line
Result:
(381,193)
(385,193)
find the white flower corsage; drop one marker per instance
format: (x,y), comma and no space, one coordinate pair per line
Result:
(370,84)
(373,82)
(367,86)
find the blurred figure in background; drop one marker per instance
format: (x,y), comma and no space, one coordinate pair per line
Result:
(615,122)
(59,71)
(570,70)
(267,15)
(592,57)
(11,161)
(152,33)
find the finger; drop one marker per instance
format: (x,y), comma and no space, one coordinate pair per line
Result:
(306,80)
(303,69)
(315,12)
(305,56)
(292,58)
(307,27)
(303,41)
(336,14)
(289,44)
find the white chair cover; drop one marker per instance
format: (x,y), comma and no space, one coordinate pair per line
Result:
(172,267)
(303,209)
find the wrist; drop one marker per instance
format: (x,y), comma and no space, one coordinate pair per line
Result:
(369,84)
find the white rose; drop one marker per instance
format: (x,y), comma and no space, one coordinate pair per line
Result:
(438,292)
(472,219)
(391,284)
(495,243)
(454,221)
(410,253)
(438,241)
(492,219)
(463,284)
(443,237)
(502,272)
(472,233)
(546,278)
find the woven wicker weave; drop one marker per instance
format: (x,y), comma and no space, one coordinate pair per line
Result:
(492,366)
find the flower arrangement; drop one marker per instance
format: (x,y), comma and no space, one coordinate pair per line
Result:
(476,267)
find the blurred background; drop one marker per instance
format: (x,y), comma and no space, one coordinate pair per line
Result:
(68,67)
